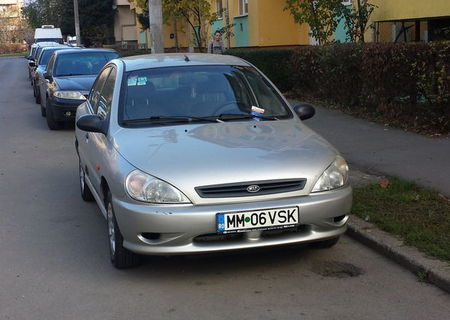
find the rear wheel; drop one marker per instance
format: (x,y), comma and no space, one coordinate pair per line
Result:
(324,244)
(121,257)
(51,122)
(86,193)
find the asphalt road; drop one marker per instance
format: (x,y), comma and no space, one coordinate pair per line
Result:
(54,255)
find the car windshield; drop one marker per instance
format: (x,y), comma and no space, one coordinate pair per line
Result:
(82,63)
(222,92)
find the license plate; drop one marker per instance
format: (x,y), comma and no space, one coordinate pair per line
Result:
(243,221)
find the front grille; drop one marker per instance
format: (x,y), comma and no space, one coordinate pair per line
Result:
(215,237)
(240,189)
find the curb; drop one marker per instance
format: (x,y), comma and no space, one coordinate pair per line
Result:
(425,268)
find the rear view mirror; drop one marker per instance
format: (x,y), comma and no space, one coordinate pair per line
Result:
(31,63)
(304,110)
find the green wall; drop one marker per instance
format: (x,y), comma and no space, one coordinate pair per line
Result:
(241,34)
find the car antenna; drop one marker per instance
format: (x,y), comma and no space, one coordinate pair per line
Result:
(186,58)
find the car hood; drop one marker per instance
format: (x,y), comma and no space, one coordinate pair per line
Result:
(79,83)
(188,156)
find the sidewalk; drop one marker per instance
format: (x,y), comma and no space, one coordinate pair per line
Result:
(378,149)
(373,148)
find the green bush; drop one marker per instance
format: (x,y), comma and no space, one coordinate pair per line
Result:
(272,62)
(402,84)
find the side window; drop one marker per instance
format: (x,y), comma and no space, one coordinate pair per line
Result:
(94,95)
(106,96)
(50,64)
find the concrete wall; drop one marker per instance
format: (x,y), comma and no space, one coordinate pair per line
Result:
(125,24)
(271,25)
(267,24)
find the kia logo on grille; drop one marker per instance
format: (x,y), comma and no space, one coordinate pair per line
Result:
(253,188)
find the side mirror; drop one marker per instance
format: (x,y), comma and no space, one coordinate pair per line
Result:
(47,76)
(92,123)
(304,110)
(31,63)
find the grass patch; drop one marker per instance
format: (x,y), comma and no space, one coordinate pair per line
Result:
(421,217)
(20,54)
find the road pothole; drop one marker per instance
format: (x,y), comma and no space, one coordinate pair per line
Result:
(337,269)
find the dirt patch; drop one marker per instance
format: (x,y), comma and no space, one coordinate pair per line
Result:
(337,269)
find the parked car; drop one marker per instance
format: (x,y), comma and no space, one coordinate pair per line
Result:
(37,75)
(34,52)
(69,77)
(201,153)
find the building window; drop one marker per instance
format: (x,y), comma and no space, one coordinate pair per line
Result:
(243,7)
(219,9)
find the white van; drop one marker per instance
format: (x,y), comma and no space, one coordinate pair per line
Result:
(47,33)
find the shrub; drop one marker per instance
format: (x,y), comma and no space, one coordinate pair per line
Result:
(330,72)
(403,84)
(272,62)
(6,48)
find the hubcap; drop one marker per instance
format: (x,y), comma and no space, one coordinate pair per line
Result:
(81,178)
(111,230)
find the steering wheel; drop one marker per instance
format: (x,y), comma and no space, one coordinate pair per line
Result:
(226,108)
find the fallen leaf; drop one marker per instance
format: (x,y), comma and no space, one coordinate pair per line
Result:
(384,184)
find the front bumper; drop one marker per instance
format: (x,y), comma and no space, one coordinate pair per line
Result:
(181,229)
(65,109)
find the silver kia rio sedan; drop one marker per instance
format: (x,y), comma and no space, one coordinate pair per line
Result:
(192,153)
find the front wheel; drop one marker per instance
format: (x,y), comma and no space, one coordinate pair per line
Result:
(86,193)
(51,122)
(37,95)
(121,257)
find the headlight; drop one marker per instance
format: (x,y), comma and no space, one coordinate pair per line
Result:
(144,187)
(71,95)
(335,176)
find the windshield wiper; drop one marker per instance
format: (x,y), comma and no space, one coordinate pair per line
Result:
(237,116)
(171,119)
(72,74)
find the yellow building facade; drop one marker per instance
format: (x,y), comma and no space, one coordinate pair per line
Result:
(261,23)
(409,20)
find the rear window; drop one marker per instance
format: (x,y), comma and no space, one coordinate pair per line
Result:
(82,63)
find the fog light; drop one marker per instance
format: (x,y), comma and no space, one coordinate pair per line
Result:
(151,235)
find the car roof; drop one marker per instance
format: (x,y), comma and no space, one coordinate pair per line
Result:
(47,43)
(179,59)
(83,50)
(56,47)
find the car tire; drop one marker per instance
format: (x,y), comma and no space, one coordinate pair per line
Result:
(86,193)
(37,96)
(325,244)
(121,257)
(51,122)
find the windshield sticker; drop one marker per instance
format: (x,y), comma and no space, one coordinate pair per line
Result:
(132,81)
(141,81)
